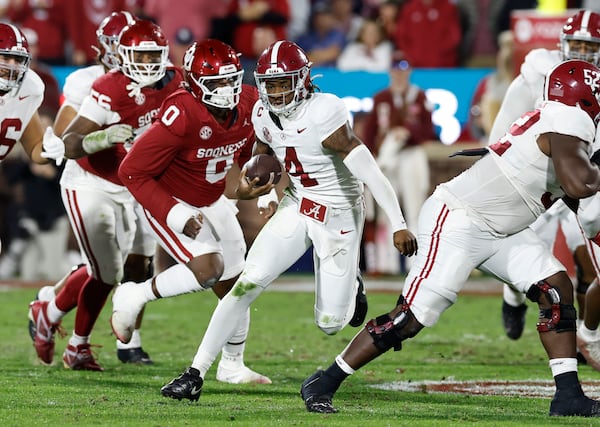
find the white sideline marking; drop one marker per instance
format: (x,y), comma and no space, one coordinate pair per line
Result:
(531,388)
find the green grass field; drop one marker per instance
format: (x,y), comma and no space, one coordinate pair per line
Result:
(284,343)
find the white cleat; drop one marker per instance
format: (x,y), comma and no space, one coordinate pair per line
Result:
(128,300)
(243,375)
(590,350)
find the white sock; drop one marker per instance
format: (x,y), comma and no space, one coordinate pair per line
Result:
(562,365)
(343,365)
(76,340)
(136,341)
(175,280)
(54,314)
(512,297)
(223,323)
(232,356)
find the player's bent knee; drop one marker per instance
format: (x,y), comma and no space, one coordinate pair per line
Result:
(389,330)
(207,269)
(558,317)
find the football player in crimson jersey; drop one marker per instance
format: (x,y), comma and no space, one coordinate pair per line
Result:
(101,210)
(323,206)
(77,85)
(480,220)
(579,39)
(176,170)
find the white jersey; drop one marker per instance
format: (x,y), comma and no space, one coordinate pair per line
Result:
(315,172)
(79,83)
(506,190)
(16,110)
(77,87)
(525,92)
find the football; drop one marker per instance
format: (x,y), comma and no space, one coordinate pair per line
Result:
(262,166)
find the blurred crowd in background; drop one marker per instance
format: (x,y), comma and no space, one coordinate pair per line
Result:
(351,35)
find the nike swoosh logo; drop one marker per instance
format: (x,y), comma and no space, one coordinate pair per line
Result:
(346,231)
(21,98)
(300,130)
(194,391)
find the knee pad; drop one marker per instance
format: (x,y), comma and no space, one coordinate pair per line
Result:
(388,332)
(559,317)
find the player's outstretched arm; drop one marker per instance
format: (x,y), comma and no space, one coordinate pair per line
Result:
(32,138)
(360,162)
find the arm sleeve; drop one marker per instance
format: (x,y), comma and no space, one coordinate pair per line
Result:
(363,166)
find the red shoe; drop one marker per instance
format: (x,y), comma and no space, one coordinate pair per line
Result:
(80,358)
(43,340)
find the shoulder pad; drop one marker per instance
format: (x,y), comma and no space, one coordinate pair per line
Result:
(537,64)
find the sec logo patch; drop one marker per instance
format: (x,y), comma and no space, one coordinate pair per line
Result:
(205,132)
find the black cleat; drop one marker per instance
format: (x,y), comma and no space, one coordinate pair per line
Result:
(134,355)
(360,310)
(513,319)
(314,401)
(186,386)
(580,406)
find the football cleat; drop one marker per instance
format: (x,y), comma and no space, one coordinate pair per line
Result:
(574,406)
(80,358)
(46,293)
(186,386)
(362,306)
(134,355)
(313,399)
(513,320)
(128,300)
(243,375)
(590,351)
(43,339)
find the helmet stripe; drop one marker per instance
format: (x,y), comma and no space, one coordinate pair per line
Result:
(585,20)
(128,16)
(275,52)
(18,36)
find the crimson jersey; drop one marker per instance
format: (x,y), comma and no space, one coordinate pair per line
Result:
(186,154)
(110,92)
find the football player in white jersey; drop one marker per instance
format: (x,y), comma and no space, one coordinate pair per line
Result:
(327,164)
(21,94)
(480,220)
(77,87)
(579,39)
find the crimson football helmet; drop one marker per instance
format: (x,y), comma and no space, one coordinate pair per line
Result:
(143,50)
(108,37)
(584,26)
(283,59)
(214,73)
(575,83)
(14,57)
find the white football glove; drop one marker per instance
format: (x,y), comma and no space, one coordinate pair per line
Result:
(53,147)
(106,138)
